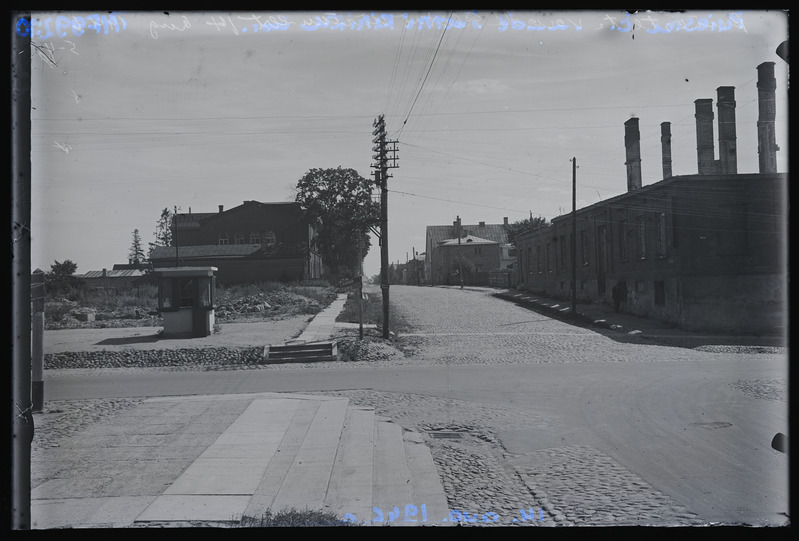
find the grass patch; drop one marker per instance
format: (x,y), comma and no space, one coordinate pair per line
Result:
(109,298)
(322,293)
(293,519)
(372,312)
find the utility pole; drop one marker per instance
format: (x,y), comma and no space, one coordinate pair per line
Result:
(574,236)
(381,166)
(175,217)
(360,286)
(20,405)
(460,254)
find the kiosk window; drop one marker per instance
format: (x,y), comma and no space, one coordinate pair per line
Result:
(166,294)
(187,292)
(205,292)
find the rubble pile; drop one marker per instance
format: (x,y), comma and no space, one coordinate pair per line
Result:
(130,358)
(269,304)
(66,314)
(369,349)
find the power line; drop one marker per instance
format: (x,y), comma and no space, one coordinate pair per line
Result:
(435,54)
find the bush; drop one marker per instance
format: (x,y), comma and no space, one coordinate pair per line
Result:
(292,519)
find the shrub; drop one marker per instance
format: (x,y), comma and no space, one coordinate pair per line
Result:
(293,518)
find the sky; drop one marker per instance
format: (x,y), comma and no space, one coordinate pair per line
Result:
(199,109)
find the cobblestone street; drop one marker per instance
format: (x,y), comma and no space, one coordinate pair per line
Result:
(488,481)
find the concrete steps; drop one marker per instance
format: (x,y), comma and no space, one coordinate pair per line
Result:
(301,352)
(308,453)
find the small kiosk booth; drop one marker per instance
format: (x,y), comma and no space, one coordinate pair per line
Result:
(186,300)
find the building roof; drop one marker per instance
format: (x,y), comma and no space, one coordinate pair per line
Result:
(191,220)
(468,239)
(127,273)
(493,232)
(204,250)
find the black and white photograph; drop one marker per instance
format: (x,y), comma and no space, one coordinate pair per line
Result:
(450,268)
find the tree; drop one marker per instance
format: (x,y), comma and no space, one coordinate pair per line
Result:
(338,203)
(163,231)
(136,253)
(60,277)
(523,226)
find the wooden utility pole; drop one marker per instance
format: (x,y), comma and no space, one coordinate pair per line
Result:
(574,236)
(360,286)
(460,253)
(381,177)
(177,257)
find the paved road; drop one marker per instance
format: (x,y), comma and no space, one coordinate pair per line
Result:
(602,427)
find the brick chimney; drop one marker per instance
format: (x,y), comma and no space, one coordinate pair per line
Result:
(221,208)
(665,142)
(728,154)
(632,145)
(505,220)
(105,273)
(767,111)
(705,152)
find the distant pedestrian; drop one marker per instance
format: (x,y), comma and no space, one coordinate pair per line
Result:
(619,294)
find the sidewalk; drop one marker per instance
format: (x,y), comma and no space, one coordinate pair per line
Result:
(211,459)
(624,326)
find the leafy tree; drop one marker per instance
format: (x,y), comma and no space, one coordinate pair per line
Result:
(163,230)
(523,226)
(338,203)
(136,252)
(60,277)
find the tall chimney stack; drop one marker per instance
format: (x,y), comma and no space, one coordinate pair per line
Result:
(767,111)
(705,152)
(632,145)
(221,208)
(665,142)
(728,154)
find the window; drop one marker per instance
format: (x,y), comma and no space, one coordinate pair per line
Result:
(255,238)
(223,238)
(584,247)
(660,292)
(166,293)
(623,240)
(563,251)
(539,261)
(641,226)
(187,292)
(270,239)
(550,265)
(238,238)
(529,260)
(674,226)
(661,246)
